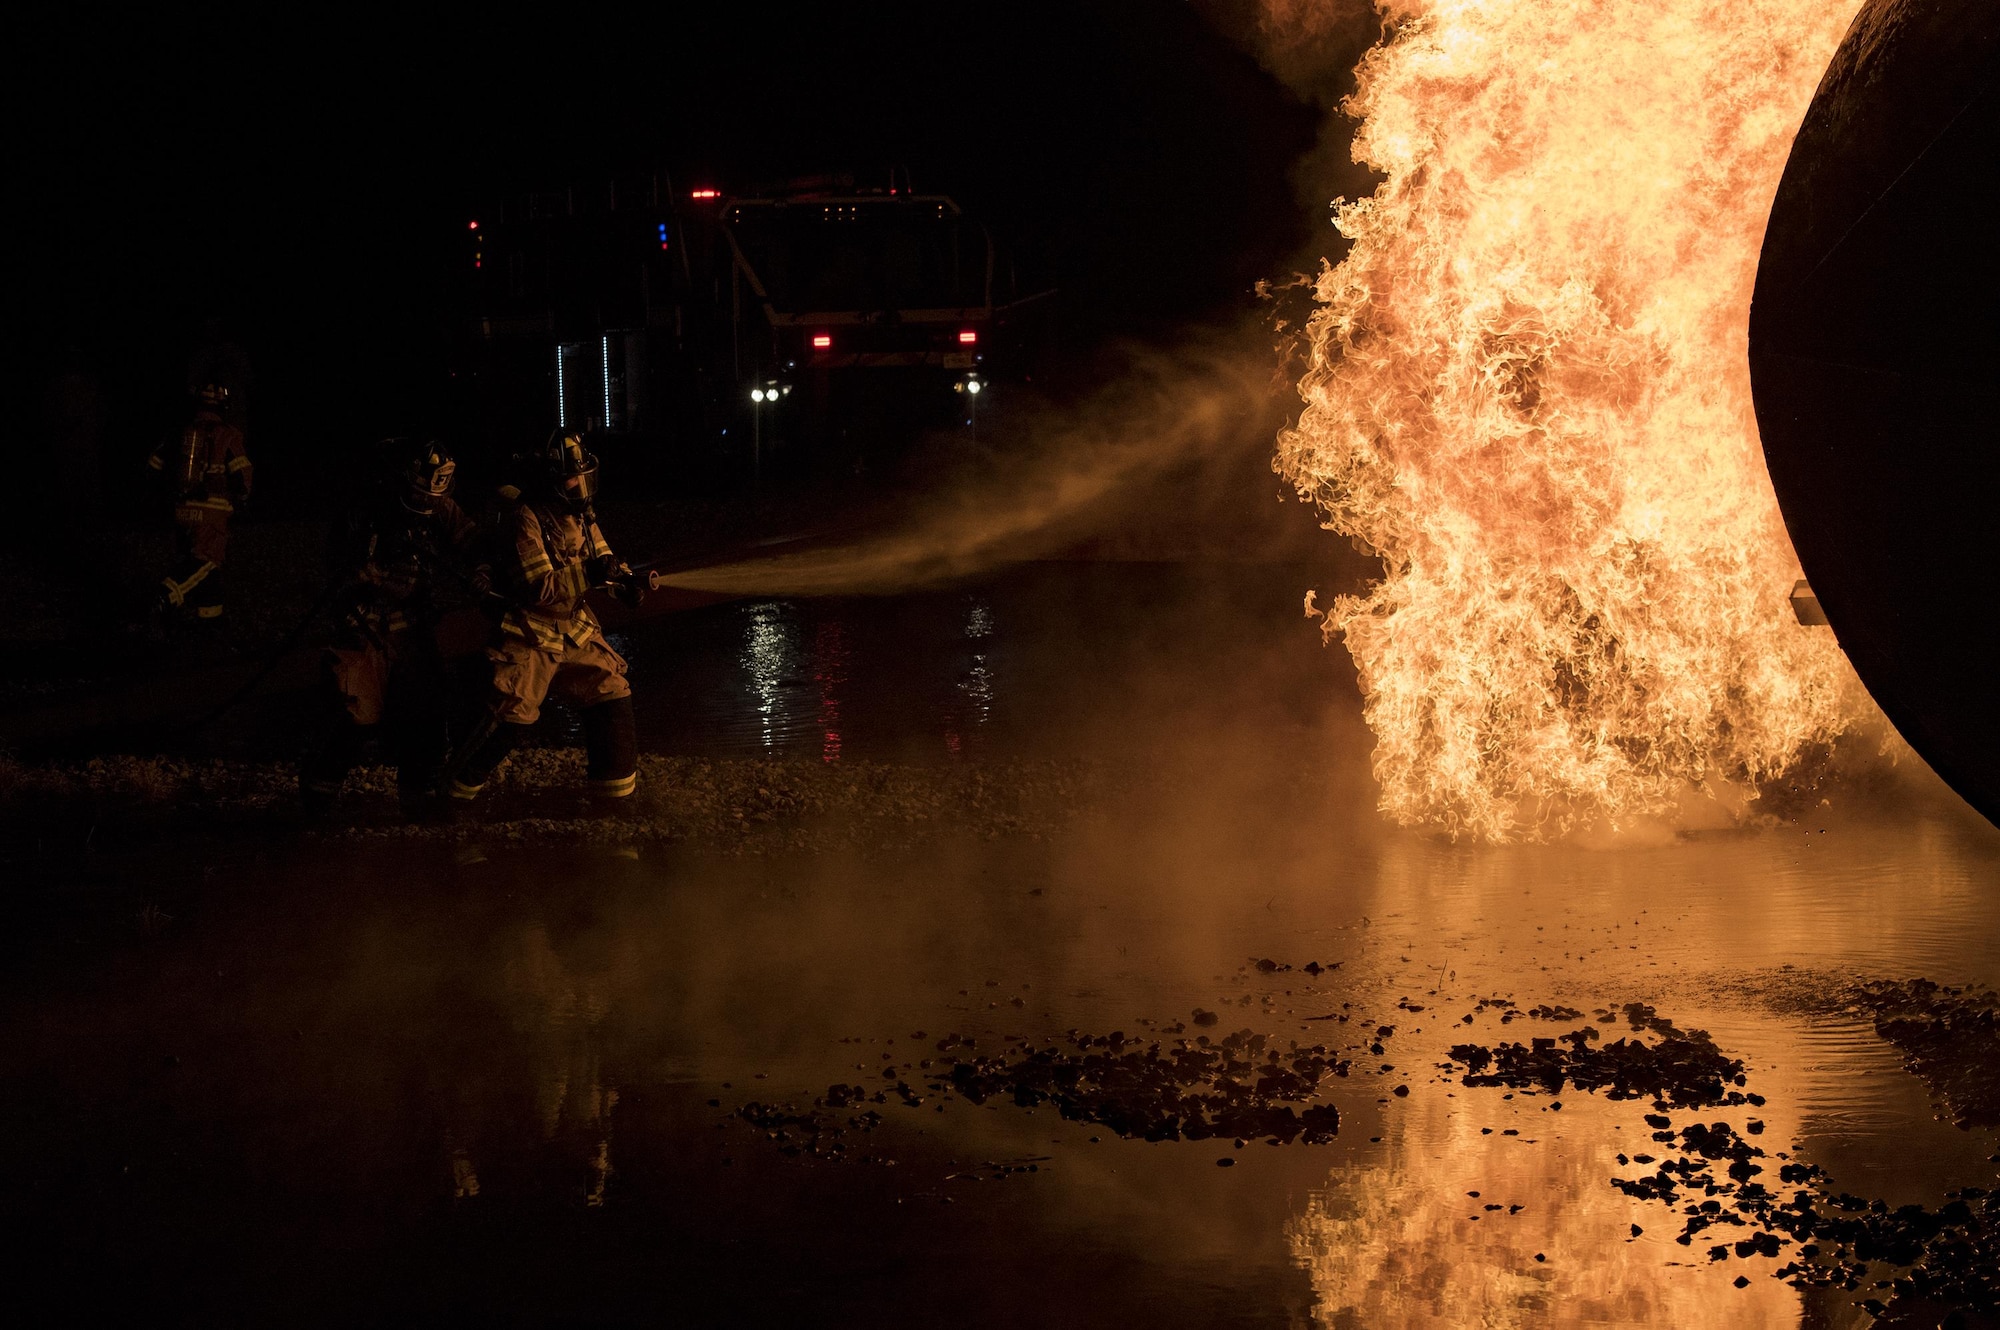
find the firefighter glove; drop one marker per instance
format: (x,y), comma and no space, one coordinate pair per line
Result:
(629,589)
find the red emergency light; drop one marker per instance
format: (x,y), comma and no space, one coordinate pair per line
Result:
(822,341)
(968,337)
(706,194)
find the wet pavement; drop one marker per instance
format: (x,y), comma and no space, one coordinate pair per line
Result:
(249,1080)
(1047,659)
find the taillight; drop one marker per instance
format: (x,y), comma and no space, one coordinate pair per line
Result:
(968,337)
(822,341)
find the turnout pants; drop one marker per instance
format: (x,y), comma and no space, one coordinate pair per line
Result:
(525,676)
(589,677)
(194,583)
(399,681)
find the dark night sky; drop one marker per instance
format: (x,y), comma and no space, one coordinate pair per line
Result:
(312,183)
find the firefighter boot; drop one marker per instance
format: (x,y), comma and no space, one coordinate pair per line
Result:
(421,754)
(420,805)
(611,743)
(462,795)
(420,728)
(323,770)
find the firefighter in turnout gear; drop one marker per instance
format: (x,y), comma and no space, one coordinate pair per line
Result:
(210,477)
(405,559)
(549,552)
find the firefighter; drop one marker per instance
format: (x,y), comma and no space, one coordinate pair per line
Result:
(404,559)
(549,552)
(209,473)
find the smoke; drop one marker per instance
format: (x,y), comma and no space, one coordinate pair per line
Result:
(1054,475)
(1310,46)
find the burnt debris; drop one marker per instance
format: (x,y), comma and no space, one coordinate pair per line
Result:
(1724,1188)
(1192,1090)
(1679,1068)
(1950,1039)
(1240,1087)
(1737,1201)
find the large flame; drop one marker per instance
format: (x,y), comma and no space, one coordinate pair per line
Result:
(1528,391)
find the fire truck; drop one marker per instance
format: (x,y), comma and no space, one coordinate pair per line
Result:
(700,333)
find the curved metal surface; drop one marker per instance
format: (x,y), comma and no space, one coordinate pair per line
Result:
(1875,364)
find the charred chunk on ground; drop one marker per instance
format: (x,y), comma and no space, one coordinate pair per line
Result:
(814,1132)
(1684,1069)
(1950,1038)
(1740,1202)
(1948,1256)
(1190,1090)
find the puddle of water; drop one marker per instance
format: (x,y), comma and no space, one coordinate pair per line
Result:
(335,1085)
(995,669)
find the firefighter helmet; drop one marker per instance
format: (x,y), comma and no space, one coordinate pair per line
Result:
(570,470)
(211,397)
(425,470)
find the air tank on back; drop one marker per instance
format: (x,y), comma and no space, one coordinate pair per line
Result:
(1875,364)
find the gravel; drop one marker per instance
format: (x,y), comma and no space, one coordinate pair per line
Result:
(763,806)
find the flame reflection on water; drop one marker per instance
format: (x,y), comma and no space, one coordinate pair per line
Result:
(1423,1237)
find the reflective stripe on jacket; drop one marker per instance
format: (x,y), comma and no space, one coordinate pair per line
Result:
(220,468)
(543,552)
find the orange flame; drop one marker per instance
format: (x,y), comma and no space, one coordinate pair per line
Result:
(1528,392)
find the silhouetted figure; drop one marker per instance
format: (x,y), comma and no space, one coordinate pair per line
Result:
(208,473)
(549,553)
(404,559)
